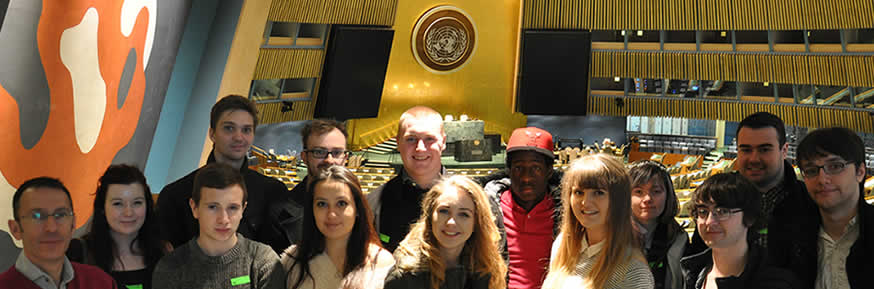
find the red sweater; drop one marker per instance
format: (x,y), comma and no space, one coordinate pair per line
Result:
(85,277)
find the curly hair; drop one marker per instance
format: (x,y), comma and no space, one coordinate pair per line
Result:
(420,250)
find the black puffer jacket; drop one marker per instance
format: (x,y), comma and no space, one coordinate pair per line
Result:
(756,274)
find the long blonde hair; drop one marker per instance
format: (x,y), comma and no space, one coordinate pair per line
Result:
(420,250)
(602,172)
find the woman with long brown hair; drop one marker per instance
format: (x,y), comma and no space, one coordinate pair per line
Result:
(123,238)
(453,244)
(596,247)
(341,249)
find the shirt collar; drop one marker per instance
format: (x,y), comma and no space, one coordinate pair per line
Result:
(34,273)
(407,179)
(852,225)
(593,250)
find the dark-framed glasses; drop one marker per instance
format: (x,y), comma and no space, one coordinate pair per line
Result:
(720,213)
(830,168)
(62,217)
(323,153)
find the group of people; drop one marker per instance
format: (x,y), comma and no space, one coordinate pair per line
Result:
(598,224)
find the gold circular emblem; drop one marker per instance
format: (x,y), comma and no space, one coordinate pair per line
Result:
(444,39)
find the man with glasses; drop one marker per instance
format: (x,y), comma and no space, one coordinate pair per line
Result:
(530,205)
(726,212)
(232,123)
(44,222)
(761,159)
(324,145)
(835,246)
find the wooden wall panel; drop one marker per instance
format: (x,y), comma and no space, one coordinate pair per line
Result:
(849,70)
(697,14)
(274,63)
(360,12)
(807,116)
(272,112)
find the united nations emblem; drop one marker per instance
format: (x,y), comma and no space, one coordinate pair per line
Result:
(444,39)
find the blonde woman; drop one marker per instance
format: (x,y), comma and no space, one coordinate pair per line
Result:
(596,247)
(453,244)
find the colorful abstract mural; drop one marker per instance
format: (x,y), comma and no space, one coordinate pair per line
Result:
(80,82)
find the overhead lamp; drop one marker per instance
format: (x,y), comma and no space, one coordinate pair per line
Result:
(622,33)
(616,79)
(639,33)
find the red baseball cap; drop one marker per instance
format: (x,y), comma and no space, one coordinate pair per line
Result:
(531,139)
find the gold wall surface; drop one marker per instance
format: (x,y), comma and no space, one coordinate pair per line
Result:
(482,89)
(698,14)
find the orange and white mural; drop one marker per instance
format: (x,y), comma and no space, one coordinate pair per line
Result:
(75,76)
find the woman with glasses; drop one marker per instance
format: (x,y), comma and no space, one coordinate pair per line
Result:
(596,247)
(123,239)
(727,213)
(341,249)
(654,206)
(453,245)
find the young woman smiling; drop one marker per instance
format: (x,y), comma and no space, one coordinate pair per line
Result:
(123,239)
(596,247)
(341,250)
(453,244)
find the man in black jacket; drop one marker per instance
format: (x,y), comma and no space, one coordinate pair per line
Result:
(231,128)
(324,144)
(836,247)
(761,159)
(421,141)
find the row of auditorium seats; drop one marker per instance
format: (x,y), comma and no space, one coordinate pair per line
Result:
(287,176)
(690,145)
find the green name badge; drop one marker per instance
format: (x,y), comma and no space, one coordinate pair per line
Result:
(384,238)
(134,286)
(240,280)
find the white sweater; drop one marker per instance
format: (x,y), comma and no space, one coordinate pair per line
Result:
(326,276)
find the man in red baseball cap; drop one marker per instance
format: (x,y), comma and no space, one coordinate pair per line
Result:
(530,201)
